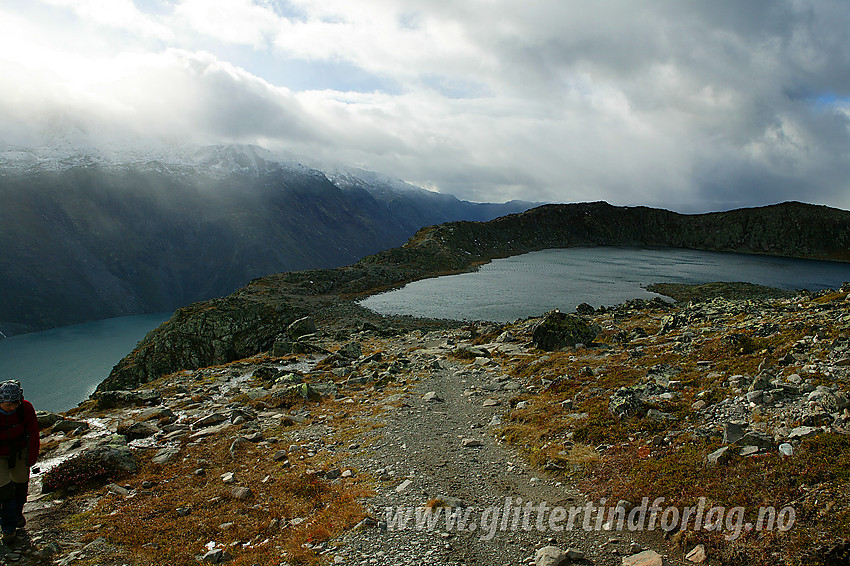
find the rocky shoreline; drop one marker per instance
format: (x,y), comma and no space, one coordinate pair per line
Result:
(292,455)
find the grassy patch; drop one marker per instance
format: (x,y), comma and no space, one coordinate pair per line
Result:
(290,511)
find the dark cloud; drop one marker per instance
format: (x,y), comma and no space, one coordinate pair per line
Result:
(696,106)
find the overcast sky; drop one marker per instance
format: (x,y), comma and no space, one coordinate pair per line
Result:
(694,106)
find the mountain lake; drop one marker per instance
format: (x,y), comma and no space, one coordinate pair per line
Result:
(61,367)
(526,285)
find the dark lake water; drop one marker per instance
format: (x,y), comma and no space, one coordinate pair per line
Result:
(529,285)
(60,367)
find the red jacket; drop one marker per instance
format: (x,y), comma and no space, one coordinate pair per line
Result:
(19,430)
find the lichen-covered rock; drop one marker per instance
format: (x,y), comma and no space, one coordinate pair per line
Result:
(560,330)
(625,403)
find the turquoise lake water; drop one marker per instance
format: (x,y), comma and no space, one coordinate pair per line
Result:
(60,367)
(531,284)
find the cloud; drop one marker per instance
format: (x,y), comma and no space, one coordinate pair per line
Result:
(686,105)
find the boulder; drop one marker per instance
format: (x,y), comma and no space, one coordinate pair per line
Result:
(137,430)
(302,390)
(351,350)
(733,432)
(301,327)
(585,309)
(69,425)
(165,455)
(46,419)
(558,330)
(758,439)
(266,373)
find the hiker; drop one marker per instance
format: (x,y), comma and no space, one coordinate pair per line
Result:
(19,445)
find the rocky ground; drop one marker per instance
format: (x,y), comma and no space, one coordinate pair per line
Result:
(293,457)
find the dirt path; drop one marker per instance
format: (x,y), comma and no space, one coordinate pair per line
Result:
(420,455)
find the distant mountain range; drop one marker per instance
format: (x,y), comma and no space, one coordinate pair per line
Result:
(88,234)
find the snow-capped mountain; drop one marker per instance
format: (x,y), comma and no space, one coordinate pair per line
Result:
(92,231)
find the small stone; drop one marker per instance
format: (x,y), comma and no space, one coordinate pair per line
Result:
(403,485)
(733,432)
(549,556)
(241,493)
(471,442)
(432,397)
(749,450)
(803,432)
(117,490)
(575,555)
(645,558)
(718,456)
(491,403)
(333,474)
(786,449)
(697,555)
(165,455)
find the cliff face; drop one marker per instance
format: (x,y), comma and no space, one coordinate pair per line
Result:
(247,321)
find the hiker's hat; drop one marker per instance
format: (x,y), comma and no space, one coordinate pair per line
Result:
(11,391)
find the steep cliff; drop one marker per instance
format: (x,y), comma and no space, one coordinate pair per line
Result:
(247,321)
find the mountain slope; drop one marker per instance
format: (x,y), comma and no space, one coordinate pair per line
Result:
(83,237)
(248,321)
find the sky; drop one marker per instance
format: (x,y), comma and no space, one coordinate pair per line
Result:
(692,106)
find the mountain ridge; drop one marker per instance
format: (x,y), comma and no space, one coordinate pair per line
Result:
(96,234)
(249,320)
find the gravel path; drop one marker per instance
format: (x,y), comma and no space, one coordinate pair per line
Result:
(420,456)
